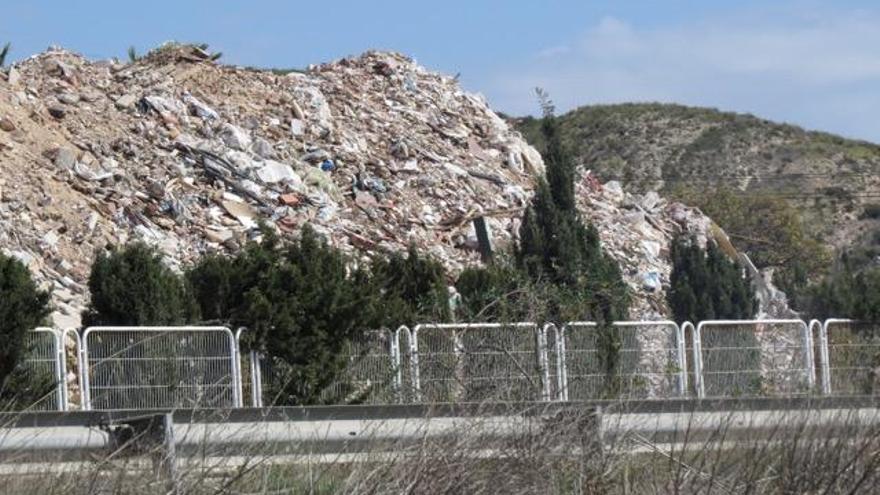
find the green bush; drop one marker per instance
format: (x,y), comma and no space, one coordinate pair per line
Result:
(131,286)
(412,289)
(563,260)
(707,285)
(498,292)
(22,308)
(302,306)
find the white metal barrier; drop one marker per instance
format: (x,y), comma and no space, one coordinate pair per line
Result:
(820,354)
(753,357)
(45,363)
(851,357)
(644,359)
(555,382)
(150,367)
(144,367)
(478,361)
(402,343)
(691,348)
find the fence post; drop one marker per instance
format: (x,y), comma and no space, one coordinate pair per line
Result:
(543,362)
(256,379)
(414,364)
(238,389)
(60,370)
(823,348)
(84,360)
(808,356)
(698,360)
(562,361)
(681,344)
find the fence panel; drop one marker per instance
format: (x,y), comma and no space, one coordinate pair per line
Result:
(754,357)
(852,350)
(159,367)
(477,361)
(46,370)
(369,374)
(628,359)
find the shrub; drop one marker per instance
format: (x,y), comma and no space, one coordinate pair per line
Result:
(498,292)
(131,286)
(851,291)
(412,289)
(22,308)
(301,304)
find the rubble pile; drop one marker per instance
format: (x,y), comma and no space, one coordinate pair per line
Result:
(637,230)
(190,156)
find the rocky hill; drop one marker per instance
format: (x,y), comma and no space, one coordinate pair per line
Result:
(834,182)
(189,155)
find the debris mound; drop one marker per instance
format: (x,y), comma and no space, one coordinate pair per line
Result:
(190,156)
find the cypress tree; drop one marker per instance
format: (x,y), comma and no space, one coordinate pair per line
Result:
(706,285)
(557,248)
(563,257)
(22,308)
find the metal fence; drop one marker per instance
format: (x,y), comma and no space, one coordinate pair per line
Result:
(149,367)
(477,361)
(632,359)
(46,370)
(753,357)
(851,364)
(168,367)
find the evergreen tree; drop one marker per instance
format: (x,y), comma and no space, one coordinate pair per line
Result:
(707,285)
(131,286)
(563,259)
(22,308)
(558,249)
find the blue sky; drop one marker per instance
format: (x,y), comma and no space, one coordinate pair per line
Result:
(812,63)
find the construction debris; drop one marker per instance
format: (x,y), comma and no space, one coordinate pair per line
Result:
(376,152)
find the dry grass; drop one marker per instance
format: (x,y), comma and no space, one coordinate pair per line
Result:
(541,451)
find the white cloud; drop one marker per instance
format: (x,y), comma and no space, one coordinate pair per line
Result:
(821,70)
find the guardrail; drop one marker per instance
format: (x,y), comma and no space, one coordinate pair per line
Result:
(150,367)
(175,438)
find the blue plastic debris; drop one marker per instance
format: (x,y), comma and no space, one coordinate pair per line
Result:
(328,166)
